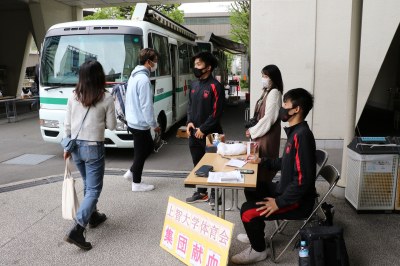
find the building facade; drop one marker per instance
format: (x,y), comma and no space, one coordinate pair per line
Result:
(346,53)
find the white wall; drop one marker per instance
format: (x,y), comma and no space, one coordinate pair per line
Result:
(331,69)
(309,40)
(283,33)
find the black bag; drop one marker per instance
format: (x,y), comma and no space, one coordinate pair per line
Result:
(203,170)
(251,123)
(68,144)
(326,246)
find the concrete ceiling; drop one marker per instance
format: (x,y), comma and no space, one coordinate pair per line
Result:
(17,4)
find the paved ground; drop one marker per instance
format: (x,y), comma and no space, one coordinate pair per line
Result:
(31,227)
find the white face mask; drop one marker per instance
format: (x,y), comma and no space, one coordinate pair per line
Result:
(266,82)
(153,68)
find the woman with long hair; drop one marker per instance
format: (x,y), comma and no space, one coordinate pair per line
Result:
(267,131)
(90,110)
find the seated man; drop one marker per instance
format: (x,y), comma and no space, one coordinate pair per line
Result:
(294,196)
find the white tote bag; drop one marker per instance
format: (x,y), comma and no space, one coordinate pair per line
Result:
(70,203)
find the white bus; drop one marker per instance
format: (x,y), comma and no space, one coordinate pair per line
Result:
(116,45)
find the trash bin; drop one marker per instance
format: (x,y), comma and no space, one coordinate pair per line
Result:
(396,140)
(372,167)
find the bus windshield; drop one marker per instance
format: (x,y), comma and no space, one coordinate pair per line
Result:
(62,56)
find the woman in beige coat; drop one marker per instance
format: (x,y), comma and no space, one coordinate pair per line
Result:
(267,131)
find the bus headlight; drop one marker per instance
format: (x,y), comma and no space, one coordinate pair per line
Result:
(49,123)
(121,126)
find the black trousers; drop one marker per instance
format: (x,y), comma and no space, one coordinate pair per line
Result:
(254,224)
(197,149)
(143,147)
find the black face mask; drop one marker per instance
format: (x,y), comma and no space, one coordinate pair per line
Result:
(284,114)
(198,72)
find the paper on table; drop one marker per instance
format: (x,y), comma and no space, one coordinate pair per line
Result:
(236,163)
(225,177)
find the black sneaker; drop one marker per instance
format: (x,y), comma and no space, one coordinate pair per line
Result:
(197,197)
(212,200)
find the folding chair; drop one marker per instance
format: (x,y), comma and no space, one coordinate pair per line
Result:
(331,175)
(321,158)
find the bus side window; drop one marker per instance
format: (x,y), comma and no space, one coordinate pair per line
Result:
(149,41)
(160,44)
(183,59)
(192,52)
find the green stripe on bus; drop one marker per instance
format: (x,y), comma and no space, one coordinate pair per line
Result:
(53,100)
(162,96)
(64,101)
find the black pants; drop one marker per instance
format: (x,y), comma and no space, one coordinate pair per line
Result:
(143,147)
(197,149)
(254,224)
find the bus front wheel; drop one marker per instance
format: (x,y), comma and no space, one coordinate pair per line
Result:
(162,122)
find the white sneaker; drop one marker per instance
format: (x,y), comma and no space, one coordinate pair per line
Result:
(243,238)
(128,175)
(248,256)
(141,187)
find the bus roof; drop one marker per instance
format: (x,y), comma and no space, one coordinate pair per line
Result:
(109,26)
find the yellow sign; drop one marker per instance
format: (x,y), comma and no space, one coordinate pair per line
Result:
(194,236)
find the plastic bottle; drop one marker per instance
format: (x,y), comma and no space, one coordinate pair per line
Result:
(304,259)
(216,139)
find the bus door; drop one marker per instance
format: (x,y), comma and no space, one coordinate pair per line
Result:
(174,73)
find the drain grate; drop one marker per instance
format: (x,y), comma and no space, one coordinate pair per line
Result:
(54,179)
(29,159)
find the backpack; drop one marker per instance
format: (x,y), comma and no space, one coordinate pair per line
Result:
(326,245)
(119,93)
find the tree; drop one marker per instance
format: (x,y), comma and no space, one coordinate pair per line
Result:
(240,27)
(106,13)
(240,22)
(171,11)
(126,12)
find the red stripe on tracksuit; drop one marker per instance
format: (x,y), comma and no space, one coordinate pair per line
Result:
(216,99)
(296,144)
(253,213)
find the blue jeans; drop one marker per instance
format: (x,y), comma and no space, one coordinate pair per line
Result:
(88,157)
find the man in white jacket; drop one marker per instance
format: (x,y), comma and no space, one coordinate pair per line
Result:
(139,109)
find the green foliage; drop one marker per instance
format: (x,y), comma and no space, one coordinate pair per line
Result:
(244,84)
(229,60)
(126,12)
(240,22)
(171,11)
(106,13)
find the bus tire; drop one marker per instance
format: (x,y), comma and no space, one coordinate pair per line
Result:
(162,121)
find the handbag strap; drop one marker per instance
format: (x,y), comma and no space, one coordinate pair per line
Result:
(67,173)
(82,123)
(259,102)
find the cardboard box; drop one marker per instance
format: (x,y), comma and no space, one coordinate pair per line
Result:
(181,133)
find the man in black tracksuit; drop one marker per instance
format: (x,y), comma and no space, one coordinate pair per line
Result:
(294,196)
(206,102)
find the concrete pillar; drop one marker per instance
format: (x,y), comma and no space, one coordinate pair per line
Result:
(351,95)
(23,64)
(39,29)
(77,13)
